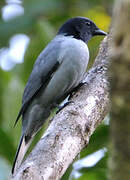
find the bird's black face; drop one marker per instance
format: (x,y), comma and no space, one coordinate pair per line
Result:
(80,28)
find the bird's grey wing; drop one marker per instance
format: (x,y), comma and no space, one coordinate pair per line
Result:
(45,65)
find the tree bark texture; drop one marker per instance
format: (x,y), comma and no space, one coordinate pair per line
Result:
(119,164)
(70,130)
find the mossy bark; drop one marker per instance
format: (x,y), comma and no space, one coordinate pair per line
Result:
(119,163)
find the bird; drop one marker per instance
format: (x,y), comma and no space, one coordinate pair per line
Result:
(59,69)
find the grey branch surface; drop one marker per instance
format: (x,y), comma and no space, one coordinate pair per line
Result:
(70,130)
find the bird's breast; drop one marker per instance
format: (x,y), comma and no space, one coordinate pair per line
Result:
(73,58)
(75,53)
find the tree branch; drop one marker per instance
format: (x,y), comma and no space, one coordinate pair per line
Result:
(70,130)
(119,163)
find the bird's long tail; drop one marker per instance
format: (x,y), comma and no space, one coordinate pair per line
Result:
(21,151)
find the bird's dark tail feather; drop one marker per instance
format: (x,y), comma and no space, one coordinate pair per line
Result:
(21,151)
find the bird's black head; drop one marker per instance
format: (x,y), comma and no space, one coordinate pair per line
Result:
(80,28)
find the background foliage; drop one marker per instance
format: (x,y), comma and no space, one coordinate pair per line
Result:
(40,22)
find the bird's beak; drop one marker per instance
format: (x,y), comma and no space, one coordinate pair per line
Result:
(99,32)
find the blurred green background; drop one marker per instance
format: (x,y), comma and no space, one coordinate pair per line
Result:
(25,29)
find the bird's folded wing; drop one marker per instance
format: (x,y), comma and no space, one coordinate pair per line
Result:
(46,64)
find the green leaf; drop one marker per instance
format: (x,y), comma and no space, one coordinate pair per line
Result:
(67,173)
(7,149)
(96,172)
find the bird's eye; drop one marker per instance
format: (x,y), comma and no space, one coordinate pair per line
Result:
(88,23)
